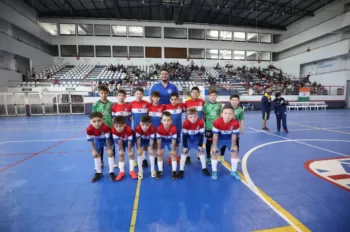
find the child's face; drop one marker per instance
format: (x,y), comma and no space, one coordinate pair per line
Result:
(227,115)
(192,118)
(166,121)
(96,122)
(174,100)
(138,95)
(234,102)
(103,95)
(212,97)
(119,127)
(121,97)
(155,100)
(194,94)
(145,126)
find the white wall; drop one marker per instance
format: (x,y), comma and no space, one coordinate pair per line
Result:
(7,60)
(6,76)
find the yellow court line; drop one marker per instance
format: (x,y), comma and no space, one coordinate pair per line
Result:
(279,229)
(135,208)
(277,206)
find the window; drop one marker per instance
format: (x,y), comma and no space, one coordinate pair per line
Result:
(175,33)
(50,28)
(196,34)
(239,36)
(135,31)
(212,35)
(119,31)
(103,51)
(136,51)
(226,35)
(68,50)
(86,51)
(252,55)
(265,56)
(225,54)
(253,37)
(153,32)
(102,30)
(196,53)
(120,51)
(85,29)
(238,55)
(265,38)
(67,29)
(212,54)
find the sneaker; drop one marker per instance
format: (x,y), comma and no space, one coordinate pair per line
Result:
(285,131)
(235,175)
(140,175)
(180,175)
(265,129)
(205,172)
(174,176)
(209,161)
(188,160)
(153,173)
(214,175)
(239,160)
(112,176)
(133,175)
(135,163)
(144,164)
(120,176)
(115,165)
(169,160)
(96,177)
(159,174)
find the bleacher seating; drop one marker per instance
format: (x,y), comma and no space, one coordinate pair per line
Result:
(307,105)
(52,70)
(78,72)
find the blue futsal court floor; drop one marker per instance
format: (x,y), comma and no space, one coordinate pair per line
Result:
(292,182)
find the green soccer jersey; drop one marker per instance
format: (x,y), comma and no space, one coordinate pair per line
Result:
(239,113)
(212,112)
(105,109)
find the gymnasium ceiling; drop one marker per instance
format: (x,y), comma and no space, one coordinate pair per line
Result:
(274,14)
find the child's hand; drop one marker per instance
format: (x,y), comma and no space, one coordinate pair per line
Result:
(241,131)
(200,149)
(131,152)
(233,148)
(159,152)
(110,153)
(173,153)
(121,152)
(150,150)
(215,151)
(95,153)
(185,150)
(139,151)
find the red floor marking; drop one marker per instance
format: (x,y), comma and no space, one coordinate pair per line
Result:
(40,152)
(340,177)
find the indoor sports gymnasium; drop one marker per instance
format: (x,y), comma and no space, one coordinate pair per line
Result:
(174,115)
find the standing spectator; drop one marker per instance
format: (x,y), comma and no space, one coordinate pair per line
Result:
(164,87)
(266,107)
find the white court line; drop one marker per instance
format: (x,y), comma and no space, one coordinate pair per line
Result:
(40,121)
(311,129)
(319,128)
(44,140)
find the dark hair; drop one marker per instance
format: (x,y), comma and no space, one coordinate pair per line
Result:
(192,111)
(164,69)
(139,89)
(103,88)
(95,115)
(166,114)
(195,88)
(228,107)
(278,94)
(155,94)
(146,119)
(174,95)
(213,90)
(119,120)
(234,96)
(121,91)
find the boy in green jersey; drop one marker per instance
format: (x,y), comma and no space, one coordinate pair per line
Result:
(104,106)
(211,111)
(238,115)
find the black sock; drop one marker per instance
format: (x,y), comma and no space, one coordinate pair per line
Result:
(223,151)
(208,148)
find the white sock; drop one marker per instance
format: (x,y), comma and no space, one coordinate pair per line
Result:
(152,161)
(214,165)
(160,165)
(111,164)
(234,163)
(98,164)
(174,165)
(121,166)
(202,158)
(131,165)
(182,162)
(139,162)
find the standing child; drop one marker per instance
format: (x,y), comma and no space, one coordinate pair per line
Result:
(193,136)
(139,108)
(280,105)
(225,130)
(239,116)
(99,135)
(123,136)
(145,136)
(166,137)
(104,106)
(211,111)
(155,109)
(195,102)
(122,108)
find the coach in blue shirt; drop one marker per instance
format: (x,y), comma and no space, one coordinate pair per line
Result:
(164,87)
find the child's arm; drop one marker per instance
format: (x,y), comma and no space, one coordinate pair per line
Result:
(129,147)
(94,149)
(159,146)
(241,126)
(109,148)
(215,142)
(138,146)
(121,147)
(173,146)
(234,143)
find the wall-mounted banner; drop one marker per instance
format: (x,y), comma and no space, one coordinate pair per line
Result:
(304,95)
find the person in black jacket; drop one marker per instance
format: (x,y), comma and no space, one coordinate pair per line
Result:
(280,105)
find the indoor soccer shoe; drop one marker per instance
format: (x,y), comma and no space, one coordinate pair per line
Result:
(214,175)
(112,176)
(115,165)
(159,174)
(235,175)
(133,174)
(174,176)
(205,172)
(188,160)
(209,161)
(140,175)
(144,164)
(135,163)
(96,177)
(120,176)
(180,175)
(153,173)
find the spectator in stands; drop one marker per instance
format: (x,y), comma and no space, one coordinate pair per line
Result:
(164,87)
